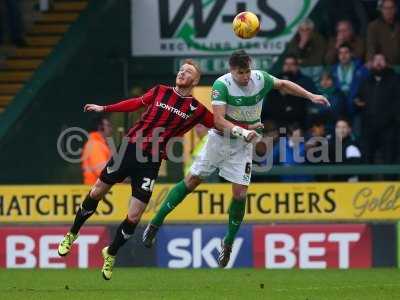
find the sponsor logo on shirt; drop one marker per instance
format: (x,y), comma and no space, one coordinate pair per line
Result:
(215,94)
(173,110)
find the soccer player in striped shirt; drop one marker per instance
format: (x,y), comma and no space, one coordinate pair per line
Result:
(170,112)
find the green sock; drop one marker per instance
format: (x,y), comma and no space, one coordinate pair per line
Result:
(174,197)
(236,214)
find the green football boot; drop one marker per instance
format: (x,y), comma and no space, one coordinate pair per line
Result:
(108,265)
(66,244)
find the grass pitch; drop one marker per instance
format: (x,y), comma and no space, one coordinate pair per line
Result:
(152,283)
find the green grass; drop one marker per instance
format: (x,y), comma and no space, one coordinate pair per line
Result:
(131,283)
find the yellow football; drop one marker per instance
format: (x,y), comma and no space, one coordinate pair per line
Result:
(246,25)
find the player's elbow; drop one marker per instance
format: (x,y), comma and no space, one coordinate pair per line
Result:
(282,85)
(219,122)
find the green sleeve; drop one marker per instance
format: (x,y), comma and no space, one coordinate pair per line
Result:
(268,81)
(219,93)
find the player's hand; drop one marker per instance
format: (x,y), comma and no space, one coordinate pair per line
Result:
(256,126)
(319,99)
(93,107)
(252,137)
(249,136)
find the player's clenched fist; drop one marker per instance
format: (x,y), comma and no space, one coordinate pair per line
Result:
(93,107)
(252,137)
(248,135)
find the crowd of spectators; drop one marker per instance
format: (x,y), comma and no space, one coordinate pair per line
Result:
(359,79)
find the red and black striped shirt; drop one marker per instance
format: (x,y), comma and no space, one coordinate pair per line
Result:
(168,115)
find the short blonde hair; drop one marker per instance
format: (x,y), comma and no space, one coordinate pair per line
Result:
(194,64)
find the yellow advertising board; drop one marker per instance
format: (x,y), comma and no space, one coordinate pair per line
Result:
(210,202)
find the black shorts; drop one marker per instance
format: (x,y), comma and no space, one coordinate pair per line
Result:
(143,174)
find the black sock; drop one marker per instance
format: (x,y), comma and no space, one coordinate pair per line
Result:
(124,232)
(87,208)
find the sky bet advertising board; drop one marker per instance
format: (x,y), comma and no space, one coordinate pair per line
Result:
(313,246)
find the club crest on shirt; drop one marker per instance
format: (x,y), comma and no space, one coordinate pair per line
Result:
(192,107)
(191,110)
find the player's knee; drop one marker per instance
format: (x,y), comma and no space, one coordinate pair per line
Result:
(134,216)
(136,209)
(240,193)
(192,181)
(95,193)
(98,190)
(240,196)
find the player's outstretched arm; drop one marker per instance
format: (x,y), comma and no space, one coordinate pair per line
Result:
(256,126)
(292,88)
(128,105)
(123,106)
(224,125)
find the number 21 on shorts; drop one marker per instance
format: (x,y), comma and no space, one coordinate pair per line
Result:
(148,184)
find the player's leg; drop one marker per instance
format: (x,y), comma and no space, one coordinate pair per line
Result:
(237,170)
(143,177)
(89,205)
(174,197)
(236,214)
(125,231)
(204,166)
(108,177)
(85,211)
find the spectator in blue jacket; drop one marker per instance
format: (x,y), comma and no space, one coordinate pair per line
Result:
(347,77)
(289,151)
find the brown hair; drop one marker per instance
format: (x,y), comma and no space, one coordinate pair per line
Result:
(240,59)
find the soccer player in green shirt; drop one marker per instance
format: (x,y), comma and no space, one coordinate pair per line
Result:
(236,101)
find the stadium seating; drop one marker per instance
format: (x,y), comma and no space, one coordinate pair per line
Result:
(45,33)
